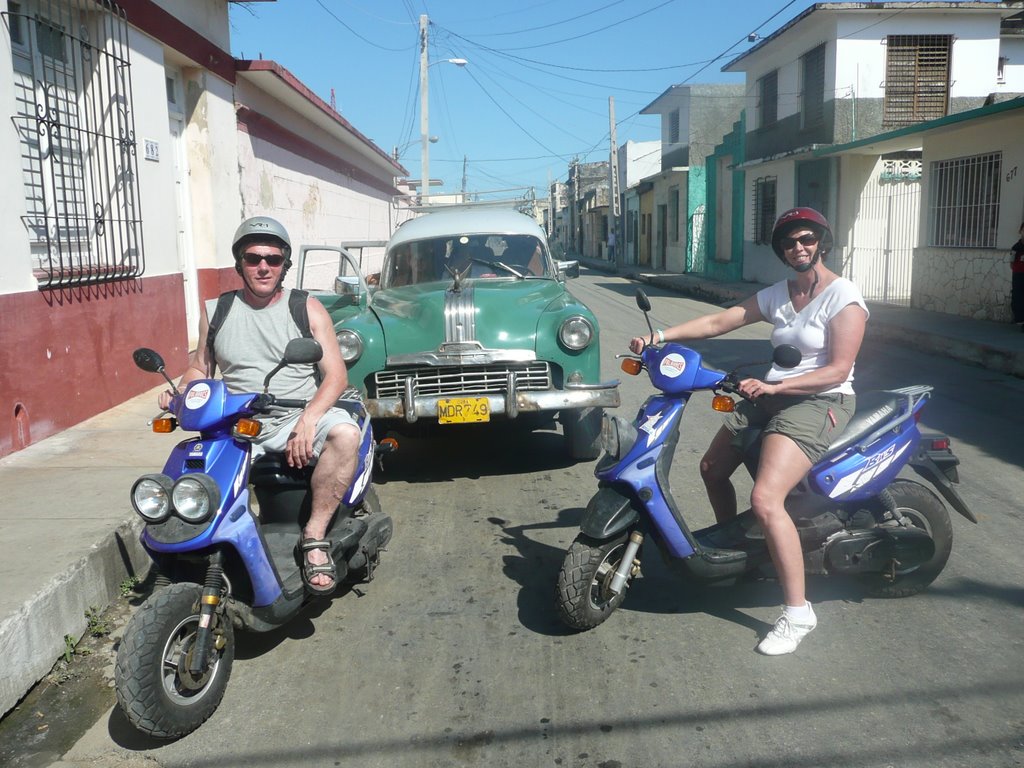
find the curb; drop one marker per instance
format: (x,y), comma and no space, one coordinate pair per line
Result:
(32,638)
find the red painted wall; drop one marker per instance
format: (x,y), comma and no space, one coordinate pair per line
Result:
(66,355)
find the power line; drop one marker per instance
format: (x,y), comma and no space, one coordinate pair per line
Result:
(346,26)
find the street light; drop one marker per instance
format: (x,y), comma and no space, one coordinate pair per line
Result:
(399,150)
(424,105)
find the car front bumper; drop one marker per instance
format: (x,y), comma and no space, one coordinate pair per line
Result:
(411,407)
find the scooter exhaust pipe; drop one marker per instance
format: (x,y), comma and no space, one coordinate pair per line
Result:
(626,564)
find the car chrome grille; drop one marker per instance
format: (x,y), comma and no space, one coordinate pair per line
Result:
(454,380)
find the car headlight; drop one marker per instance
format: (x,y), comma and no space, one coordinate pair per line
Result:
(350,344)
(195,497)
(576,332)
(151,497)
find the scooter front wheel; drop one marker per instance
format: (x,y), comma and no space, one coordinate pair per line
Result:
(155,688)
(582,596)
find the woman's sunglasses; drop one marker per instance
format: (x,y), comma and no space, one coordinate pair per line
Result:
(253,259)
(805,240)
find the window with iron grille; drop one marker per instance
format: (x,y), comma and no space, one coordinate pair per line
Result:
(768,99)
(916,78)
(764,209)
(964,203)
(812,96)
(75,123)
(673,127)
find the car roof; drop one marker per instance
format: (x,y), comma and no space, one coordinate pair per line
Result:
(467,221)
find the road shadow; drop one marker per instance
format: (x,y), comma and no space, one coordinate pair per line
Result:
(535,569)
(474,451)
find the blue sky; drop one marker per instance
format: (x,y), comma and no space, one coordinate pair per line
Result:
(535,91)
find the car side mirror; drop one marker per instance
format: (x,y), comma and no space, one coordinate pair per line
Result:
(347,285)
(568,269)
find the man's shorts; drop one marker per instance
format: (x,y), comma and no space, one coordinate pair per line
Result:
(277,440)
(813,422)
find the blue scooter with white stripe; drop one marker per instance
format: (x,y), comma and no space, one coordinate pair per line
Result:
(855,516)
(223,534)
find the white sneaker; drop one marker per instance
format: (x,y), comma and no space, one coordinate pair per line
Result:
(786,635)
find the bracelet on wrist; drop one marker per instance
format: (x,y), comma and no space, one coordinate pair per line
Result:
(661,336)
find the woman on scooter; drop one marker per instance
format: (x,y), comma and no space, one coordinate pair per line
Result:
(799,410)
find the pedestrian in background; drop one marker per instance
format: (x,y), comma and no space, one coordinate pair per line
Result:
(1017,287)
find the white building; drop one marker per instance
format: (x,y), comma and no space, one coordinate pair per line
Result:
(136,145)
(838,73)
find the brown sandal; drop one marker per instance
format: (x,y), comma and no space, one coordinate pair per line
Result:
(310,570)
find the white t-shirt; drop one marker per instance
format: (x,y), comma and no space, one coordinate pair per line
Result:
(808,329)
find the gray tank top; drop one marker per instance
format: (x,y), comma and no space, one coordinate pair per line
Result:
(250,343)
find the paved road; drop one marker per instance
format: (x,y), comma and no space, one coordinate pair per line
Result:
(454,654)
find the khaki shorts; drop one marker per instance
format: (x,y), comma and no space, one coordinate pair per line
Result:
(277,441)
(811,421)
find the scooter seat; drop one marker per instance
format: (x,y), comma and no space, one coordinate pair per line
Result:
(873,408)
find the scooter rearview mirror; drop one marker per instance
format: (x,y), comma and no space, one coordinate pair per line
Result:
(148,360)
(642,301)
(151,362)
(303,352)
(298,352)
(786,356)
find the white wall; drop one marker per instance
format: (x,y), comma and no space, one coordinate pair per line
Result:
(16,276)
(317,205)
(208,17)
(211,137)
(973,282)
(1013,70)
(760,264)
(156,178)
(638,160)
(861,53)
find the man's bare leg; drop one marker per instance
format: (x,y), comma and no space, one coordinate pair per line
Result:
(333,474)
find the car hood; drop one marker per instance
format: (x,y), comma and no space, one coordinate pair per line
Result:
(498,313)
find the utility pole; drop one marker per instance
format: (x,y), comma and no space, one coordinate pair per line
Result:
(575,204)
(424,108)
(613,186)
(465,160)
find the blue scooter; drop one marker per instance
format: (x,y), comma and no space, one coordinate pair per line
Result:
(854,515)
(225,560)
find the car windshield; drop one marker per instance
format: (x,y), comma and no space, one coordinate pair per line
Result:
(471,256)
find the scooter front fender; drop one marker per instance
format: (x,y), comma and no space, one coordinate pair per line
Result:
(608,514)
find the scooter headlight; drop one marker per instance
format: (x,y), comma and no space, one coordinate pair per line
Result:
(576,333)
(151,497)
(351,345)
(194,497)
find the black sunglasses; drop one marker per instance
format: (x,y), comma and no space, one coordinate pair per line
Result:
(253,259)
(790,242)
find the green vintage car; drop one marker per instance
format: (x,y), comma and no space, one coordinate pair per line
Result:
(470,321)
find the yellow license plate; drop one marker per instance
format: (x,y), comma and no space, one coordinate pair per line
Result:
(463,410)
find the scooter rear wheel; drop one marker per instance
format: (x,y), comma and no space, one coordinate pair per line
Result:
(925,511)
(155,690)
(582,595)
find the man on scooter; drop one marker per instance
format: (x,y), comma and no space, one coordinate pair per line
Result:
(249,342)
(799,410)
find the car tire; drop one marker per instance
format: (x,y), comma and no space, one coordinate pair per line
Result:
(582,430)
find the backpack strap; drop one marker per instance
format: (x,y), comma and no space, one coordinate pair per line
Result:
(219,315)
(300,312)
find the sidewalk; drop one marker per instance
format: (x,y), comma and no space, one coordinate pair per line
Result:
(69,538)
